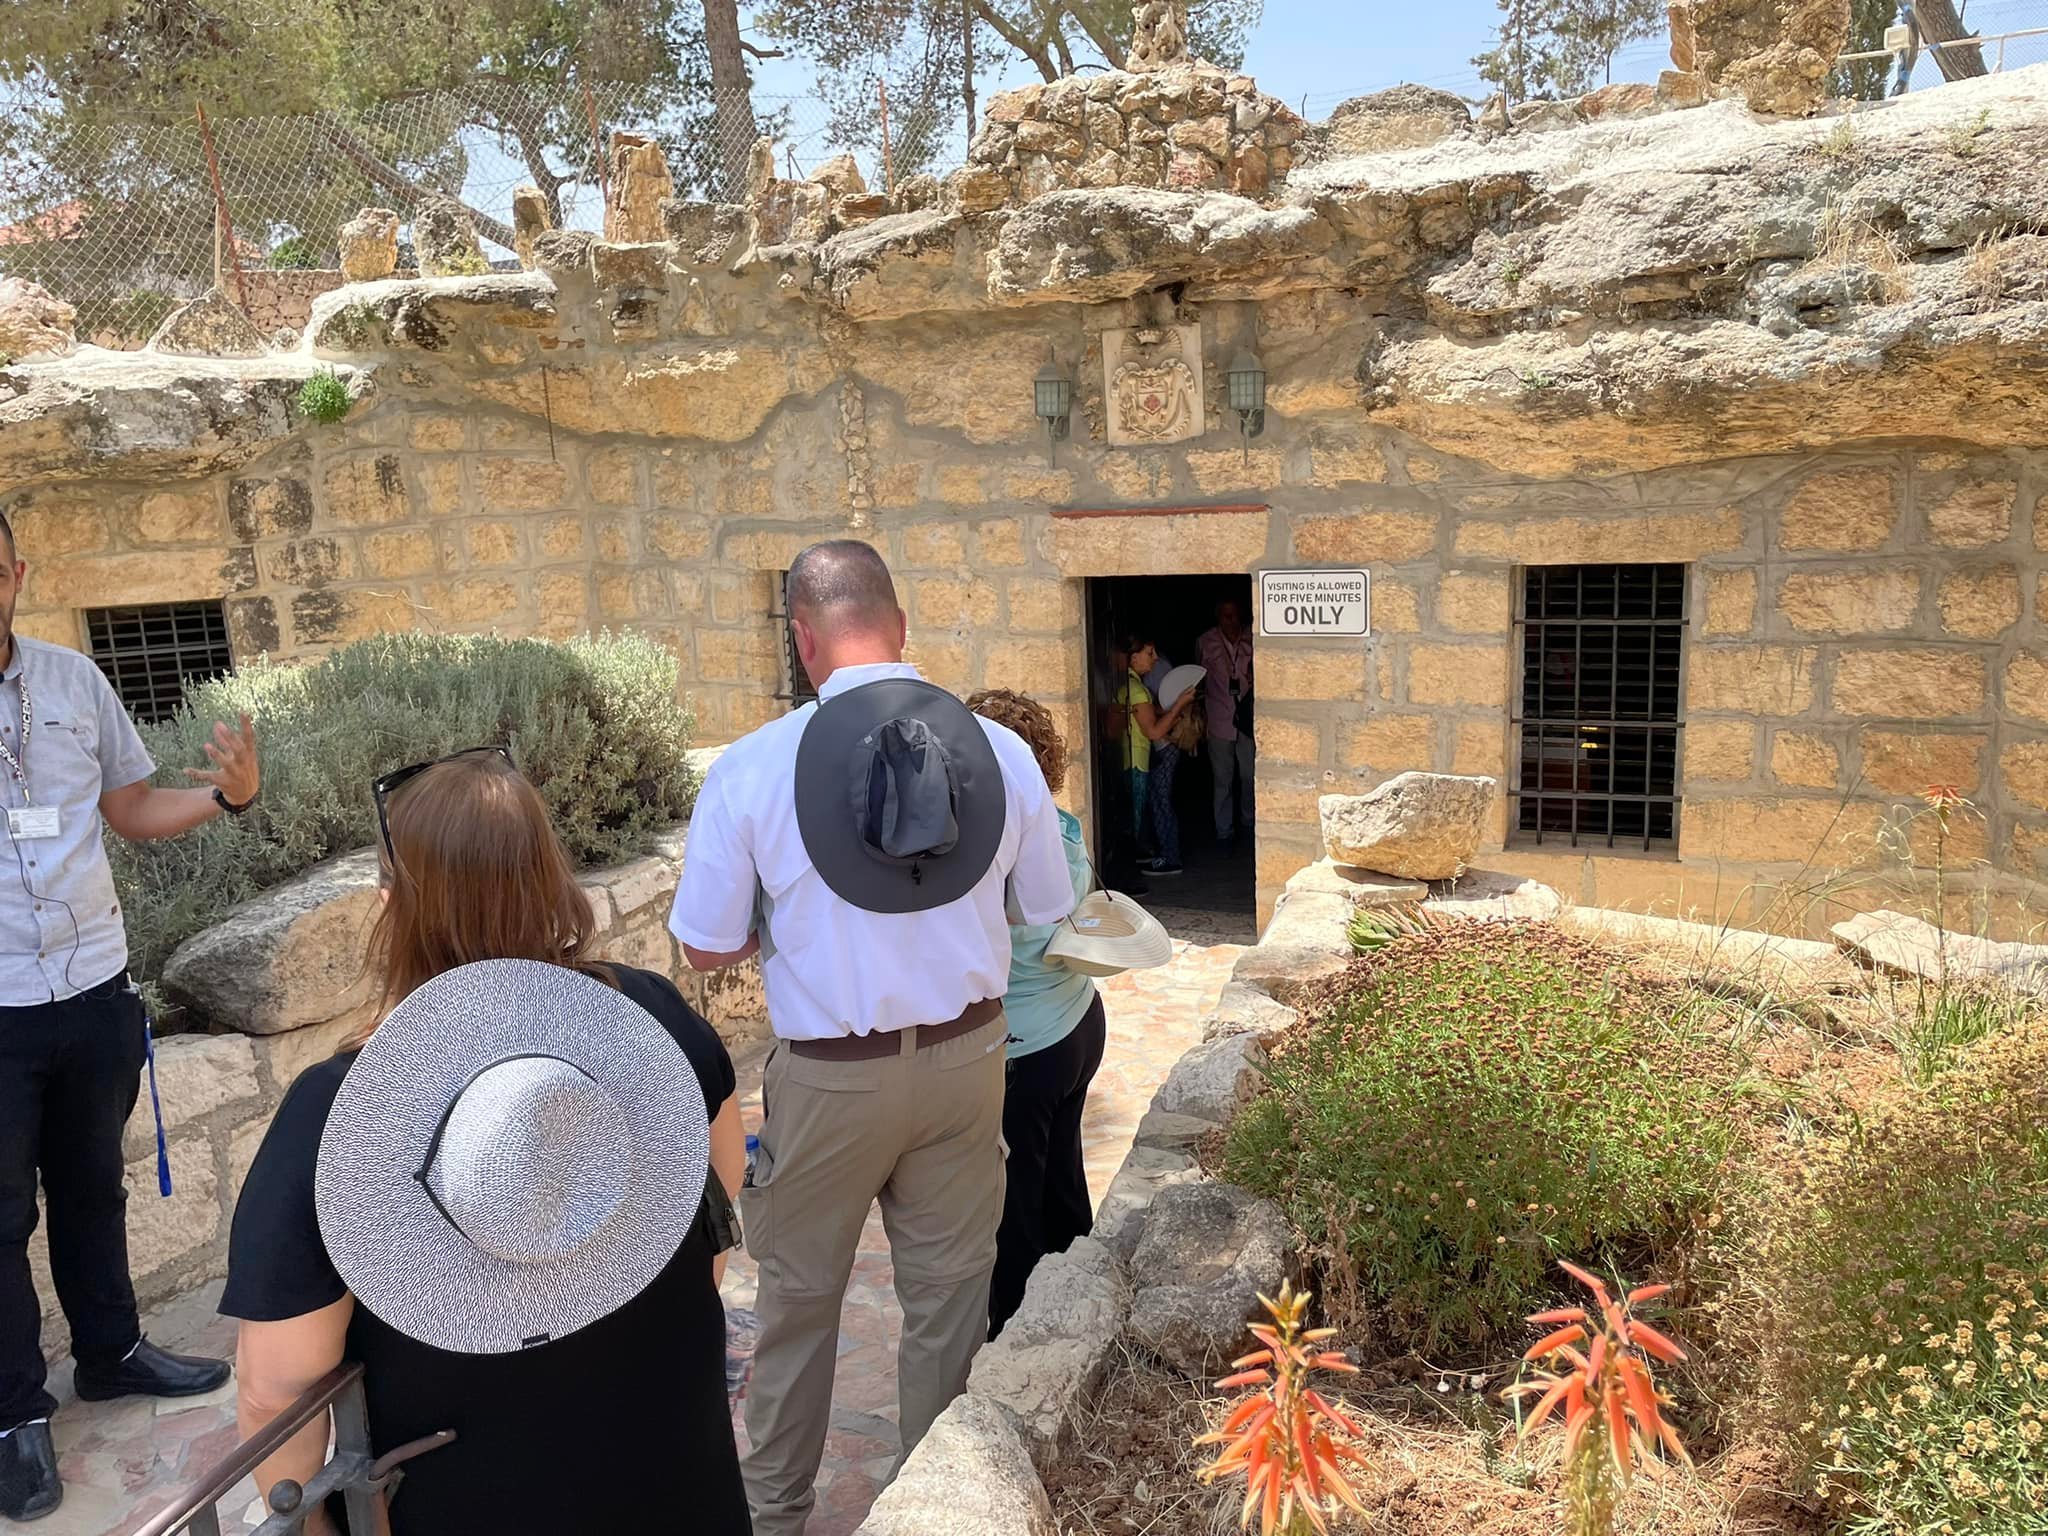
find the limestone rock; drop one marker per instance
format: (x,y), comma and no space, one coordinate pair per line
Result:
(640,185)
(1776,53)
(793,213)
(196,1075)
(970,1476)
(210,326)
(292,957)
(709,233)
(915,193)
(1208,1252)
(562,250)
(531,218)
(1624,98)
(369,245)
(33,322)
(1360,887)
(1245,1010)
(1486,896)
(1771,964)
(1213,1080)
(629,266)
(1543,116)
(1423,825)
(1305,941)
(478,318)
(1159,36)
(445,240)
(760,169)
(1900,945)
(1402,118)
(1050,1358)
(1146,1172)
(840,176)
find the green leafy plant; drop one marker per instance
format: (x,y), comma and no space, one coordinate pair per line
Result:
(1277,1437)
(324,398)
(1470,1102)
(1901,1274)
(1373,928)
(595,723)
(295,253)
(1609,1397)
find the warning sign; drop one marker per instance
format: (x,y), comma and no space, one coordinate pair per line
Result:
(1313,602)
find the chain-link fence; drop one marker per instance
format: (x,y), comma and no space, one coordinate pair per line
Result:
(118,213)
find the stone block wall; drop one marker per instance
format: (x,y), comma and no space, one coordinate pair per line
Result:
(282,300)
(220,1090)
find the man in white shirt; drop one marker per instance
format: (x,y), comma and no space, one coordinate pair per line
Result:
(873,849)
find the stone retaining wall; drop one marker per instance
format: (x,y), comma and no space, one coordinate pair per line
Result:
(220,1090)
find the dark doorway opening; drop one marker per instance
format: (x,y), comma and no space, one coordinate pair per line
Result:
(1214,898)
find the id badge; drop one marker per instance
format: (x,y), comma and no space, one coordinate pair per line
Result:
(26,823)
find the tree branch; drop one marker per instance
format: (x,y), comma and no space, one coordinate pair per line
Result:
(393,180)
(1098,31)
(1017,39)
(764,53)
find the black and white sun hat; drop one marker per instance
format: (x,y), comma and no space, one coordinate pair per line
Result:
(518,1151)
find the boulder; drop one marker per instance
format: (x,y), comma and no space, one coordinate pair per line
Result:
(629,266)
(1208,1252)
(704,232)
(1212,1080)
(1406,117)
(1901,945)
(210,326)
(1051,1356)
(1146,1171)
(1624,98)
(1776,54)
(1484,895)
(1426,826)
(369,245)
(1543,116)
(33,322)
(1245,1010)
(970,1476)
(793,213)
(1718,955)
(916,193)
(292,957)
(640,187)
(840,176)
(445,240)
(531,218)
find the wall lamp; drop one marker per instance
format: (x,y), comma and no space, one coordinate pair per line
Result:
(1246,381)
(1052,396)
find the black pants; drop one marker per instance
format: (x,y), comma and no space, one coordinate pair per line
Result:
(69,1075)
(1045,1202)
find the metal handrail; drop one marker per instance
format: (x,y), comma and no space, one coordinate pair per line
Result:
(361,1479)
(2000,38)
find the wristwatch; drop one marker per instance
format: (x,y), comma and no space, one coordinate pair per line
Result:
(229,806)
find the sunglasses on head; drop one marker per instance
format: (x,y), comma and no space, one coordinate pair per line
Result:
(384,784)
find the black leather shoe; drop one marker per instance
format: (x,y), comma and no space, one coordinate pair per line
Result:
(151,1372)
(29,1487)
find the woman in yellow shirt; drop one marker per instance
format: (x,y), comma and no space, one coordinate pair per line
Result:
(1144,723)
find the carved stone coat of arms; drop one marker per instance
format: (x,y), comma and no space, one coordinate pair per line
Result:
(1154,383)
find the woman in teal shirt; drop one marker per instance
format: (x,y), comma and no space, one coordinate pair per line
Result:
(1057,1032)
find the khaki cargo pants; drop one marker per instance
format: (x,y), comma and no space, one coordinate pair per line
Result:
(922,1132)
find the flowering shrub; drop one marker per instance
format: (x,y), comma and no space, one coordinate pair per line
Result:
(1278,1435)
(1609,1397)
(1904,1272)
(1470,1103)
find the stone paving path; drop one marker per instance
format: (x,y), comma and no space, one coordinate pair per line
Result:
(121,1461)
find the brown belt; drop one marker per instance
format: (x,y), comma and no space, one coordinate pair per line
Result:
(890,1042)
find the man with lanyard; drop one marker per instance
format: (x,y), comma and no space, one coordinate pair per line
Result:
(72,1031)
(1226,656)
(873,850)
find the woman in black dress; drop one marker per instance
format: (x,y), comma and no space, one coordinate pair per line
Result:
(601,1429)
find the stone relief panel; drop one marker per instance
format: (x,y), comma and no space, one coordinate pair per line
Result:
(1153,385)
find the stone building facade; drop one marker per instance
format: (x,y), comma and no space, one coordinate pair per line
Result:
(1689,339)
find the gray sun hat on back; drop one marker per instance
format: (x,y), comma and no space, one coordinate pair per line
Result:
(900,798)
(517,1152)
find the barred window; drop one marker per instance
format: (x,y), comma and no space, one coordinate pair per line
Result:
(149,653)
(1598,719)
(796,685)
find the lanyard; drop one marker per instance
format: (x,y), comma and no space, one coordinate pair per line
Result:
(163,1156)
(15,763)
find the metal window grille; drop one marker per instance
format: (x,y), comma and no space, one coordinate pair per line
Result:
(150,653)
(1598,717)
(796,685)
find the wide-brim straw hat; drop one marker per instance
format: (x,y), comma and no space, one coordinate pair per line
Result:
(1108,934)
(1179,681)
(517,1152)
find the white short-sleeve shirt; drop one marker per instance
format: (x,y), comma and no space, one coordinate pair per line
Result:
(831,968)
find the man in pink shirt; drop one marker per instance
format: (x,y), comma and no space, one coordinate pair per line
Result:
(1226,655)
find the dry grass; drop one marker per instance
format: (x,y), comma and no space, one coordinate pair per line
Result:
(1985,278)
(1850,243)
(1444,1464)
